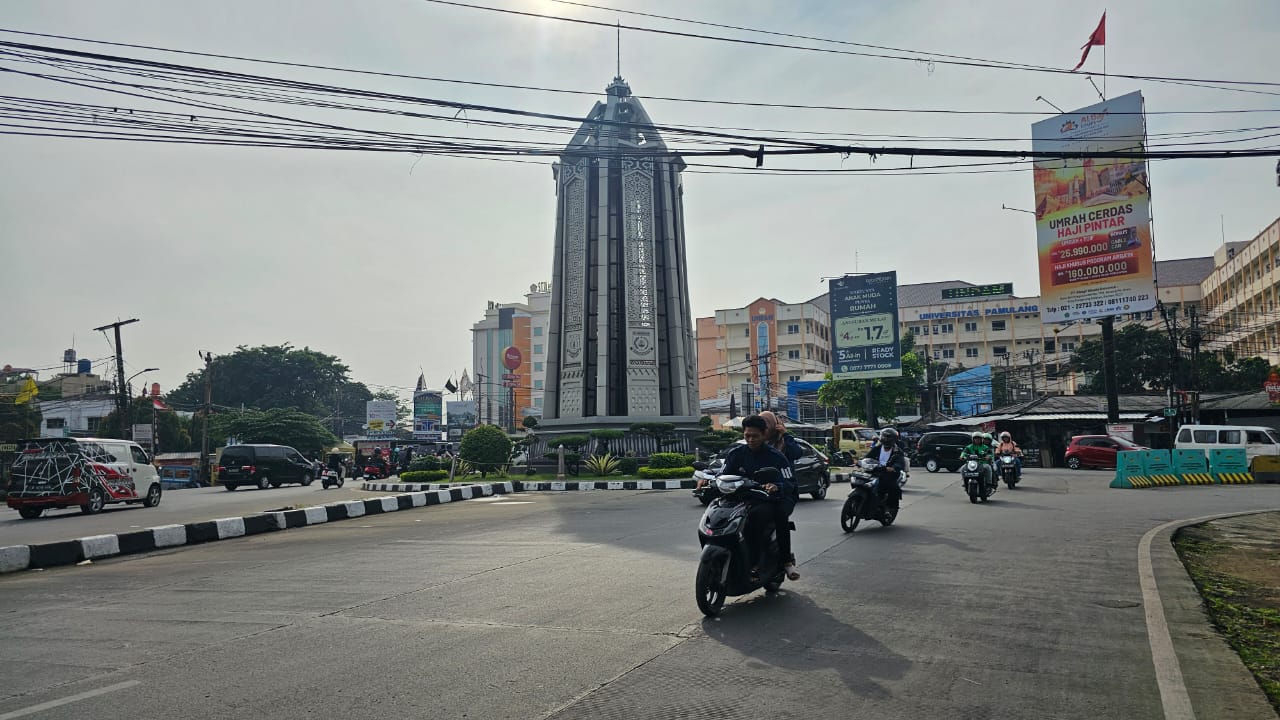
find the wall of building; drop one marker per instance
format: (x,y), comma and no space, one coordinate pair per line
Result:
(1242,297)
(74,417)
(523,326)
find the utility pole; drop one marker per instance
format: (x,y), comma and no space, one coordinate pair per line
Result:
(205,475)
(1191,340)
(1031,356)
(764,382)
(122,394)
(1171,327)
(872,420)
(1109,368)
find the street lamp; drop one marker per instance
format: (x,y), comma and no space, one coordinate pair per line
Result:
(128,383)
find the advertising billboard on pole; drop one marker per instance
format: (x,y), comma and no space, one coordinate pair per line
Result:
(864,324)
(379,417)
(427,406)
(463,413)
(1093,215)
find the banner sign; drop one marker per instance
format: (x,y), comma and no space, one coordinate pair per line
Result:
(380,415)
(462,414)
(1272,386)
(864,321)
(977,291)
(1093,216)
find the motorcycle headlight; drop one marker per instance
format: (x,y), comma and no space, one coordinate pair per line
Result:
(973,465)
(729,486)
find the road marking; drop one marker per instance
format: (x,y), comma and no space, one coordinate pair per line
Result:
(1173,689)
(69,699)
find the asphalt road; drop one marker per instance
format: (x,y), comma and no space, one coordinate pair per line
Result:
(176,506)
(580,605)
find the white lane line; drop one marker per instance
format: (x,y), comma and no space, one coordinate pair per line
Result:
(1173,690)
(69,699)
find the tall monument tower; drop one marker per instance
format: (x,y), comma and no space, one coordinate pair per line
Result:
(621,346)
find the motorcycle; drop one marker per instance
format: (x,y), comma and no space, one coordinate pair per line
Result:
(725,566)
(978,485)
(865,501)
(1008,465)
(375,472)
(330,478)
(707,492)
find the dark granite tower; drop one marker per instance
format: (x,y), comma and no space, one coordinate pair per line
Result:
(621,346)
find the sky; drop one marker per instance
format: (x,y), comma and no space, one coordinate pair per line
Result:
(386,259)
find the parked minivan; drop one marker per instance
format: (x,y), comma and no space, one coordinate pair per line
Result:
(88,473)
(1255,440)
(263,466)
(937,450)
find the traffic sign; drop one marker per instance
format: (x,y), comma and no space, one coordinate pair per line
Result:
(1171,412)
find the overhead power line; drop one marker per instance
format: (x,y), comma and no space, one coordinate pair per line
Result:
(937,59)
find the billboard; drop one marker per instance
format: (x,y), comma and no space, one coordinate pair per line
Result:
(864,322)
(463,414)
(427,417)
(1093,216)
(380,415)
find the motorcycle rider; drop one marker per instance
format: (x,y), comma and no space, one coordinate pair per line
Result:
(744,460)
(888,452)
(1007,445)
(777,436)
(378,461)
(979,446)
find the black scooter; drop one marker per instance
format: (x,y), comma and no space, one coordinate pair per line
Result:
(865,501)
(1008,465)
(978,478)
(725,567)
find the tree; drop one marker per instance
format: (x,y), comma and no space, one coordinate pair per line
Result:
(713,441)
(18,422)
(279,426)
(272,376)
(1142,357)
(486,447)
(530,422)
(886,393)
(174,432)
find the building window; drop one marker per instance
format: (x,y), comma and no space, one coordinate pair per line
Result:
(537,402)
(55,423)
(937,354)
(537,384)
(537,349)
(746,331)
(793,378)
(944,329)
(1051,346)
(948,353)
(537,367)
(971,327)
(746,357)
(537,331)
(1068,347)
(793,354)
(999,350)
(998,325)
(93,423)
(971,352)
(793,329)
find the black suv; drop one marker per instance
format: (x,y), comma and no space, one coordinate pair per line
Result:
(811,472)
(263,466)
(937,450)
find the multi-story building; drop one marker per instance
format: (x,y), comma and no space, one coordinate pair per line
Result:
(767,344)
(1242,297)
(504,395)
(784,342)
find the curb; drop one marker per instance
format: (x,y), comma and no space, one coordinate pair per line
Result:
(70,552)
(544,486)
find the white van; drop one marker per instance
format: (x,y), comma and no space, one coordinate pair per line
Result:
(1255,440)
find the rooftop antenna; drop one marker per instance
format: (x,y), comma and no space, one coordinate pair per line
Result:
(1055,107)
(1095,85)
(619,45)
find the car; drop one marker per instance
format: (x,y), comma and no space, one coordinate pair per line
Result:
(812,472)
(1255,440)
(263,466)
(937,450)
(1096,451)
(88,473)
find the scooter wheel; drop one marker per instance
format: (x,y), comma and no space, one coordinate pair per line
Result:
(851,513)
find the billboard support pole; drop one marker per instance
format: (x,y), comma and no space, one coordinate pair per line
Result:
(1109,368)
(872,420)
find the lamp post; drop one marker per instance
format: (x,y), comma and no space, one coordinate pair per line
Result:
(128,384)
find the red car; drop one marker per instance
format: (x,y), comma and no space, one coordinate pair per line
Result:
(1097,451)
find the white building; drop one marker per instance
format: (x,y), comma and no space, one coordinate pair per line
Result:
(79,416)
(523,326)
(1242,297)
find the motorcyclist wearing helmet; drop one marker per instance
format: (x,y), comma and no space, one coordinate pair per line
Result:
(776,435)
(1007,445)
(378,461)
(979,445)
(887,451)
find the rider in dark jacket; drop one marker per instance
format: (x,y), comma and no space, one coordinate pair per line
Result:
(888,452)
(745,460)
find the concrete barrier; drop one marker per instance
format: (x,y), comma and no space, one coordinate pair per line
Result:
(1266,469)
(1130,473)
(1230,466)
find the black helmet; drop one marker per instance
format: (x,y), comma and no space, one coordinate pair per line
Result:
(888,435)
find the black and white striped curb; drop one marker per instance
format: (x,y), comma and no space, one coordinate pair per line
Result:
(556,485)
(70,552)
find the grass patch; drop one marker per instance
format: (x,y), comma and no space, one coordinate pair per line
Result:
(1245,611)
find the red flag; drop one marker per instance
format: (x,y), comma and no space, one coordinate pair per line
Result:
(1099,37)
(158,404)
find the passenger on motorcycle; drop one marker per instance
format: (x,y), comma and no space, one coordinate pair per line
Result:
(777,436)
(979,445)
(744,460)
(1007,445)
(888,452)
(378,461)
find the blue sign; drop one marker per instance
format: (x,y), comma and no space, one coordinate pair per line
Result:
(864,327)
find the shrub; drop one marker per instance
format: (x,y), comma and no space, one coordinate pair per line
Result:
(705,422)
(529,422)
(664,473)
(714,441)
(601,465)
(461,469)
(628,465)
(653,428)
(570,442)
(426,462)
(424,476)
(670,460)
(607,434)
(486,447)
